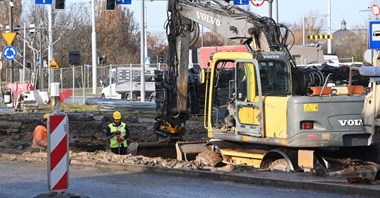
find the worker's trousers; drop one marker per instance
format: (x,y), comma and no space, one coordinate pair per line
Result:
(123,150)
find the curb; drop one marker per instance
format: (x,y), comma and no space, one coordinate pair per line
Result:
(363,190)
(304,185)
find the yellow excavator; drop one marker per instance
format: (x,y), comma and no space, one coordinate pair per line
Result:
(260,108)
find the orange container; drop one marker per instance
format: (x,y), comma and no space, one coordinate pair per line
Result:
(355,90)
(316,91)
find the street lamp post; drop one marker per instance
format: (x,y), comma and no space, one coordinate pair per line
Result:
(41,84)
(93,38)
(142,51)
(50,47)
(277,18)
(303,30)
(145,29)
(329,50)
(24,57)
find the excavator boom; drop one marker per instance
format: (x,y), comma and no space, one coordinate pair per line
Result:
(231,22)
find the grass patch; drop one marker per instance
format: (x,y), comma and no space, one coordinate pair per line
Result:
(69,107)
(77,107)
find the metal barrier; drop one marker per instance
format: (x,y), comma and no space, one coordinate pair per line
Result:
(77,78)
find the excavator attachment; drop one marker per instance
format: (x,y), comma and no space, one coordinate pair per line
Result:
(132,148)
(188,150)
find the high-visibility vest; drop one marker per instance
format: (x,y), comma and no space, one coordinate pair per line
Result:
(113,140)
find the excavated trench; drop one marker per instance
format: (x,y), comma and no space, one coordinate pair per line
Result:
(86,133)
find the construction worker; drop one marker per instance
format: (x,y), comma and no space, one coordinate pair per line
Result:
(118,132)
(40,135)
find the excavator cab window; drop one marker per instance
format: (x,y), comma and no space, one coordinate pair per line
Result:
(221,88)
(274,77)
(241,82)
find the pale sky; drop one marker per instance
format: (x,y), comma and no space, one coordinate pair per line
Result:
(355,12)
(290,11)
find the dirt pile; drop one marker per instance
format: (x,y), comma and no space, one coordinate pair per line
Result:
(93,158)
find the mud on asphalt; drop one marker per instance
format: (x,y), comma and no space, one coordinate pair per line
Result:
(88,148)
(231,173)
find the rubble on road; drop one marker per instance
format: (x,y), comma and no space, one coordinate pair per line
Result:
(92,158)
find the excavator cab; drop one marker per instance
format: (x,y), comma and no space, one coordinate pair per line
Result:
(238,91)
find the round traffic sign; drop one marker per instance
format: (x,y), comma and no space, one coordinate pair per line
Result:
(375,9)
(257,3)
(10,53)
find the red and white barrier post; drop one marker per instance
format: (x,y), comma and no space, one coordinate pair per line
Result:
(58,152)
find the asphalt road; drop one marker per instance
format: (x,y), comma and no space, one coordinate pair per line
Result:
(25,179)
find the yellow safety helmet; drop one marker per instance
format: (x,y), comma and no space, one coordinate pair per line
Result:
(46,116)
(116,115)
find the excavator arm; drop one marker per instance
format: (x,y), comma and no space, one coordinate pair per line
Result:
(231,22)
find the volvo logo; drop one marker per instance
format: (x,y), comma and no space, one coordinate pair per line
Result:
(356,122)
(208,18)
(271,56)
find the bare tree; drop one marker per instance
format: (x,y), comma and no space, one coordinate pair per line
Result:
(118,35)
(350,44)
(314,24)
(4,21)
(157,46)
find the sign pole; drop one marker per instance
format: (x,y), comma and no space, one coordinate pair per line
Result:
(93,48)
(11,30)
(270,8)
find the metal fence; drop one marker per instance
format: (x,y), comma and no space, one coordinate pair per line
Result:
(77,78)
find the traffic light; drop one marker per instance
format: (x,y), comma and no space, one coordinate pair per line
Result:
(59,4)
(17,29)
(74,58)
(110,5)
(160,59)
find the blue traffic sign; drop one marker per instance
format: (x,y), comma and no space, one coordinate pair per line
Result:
(123,1)
(44,1)
(374,35)
(241,2)
(10,53)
